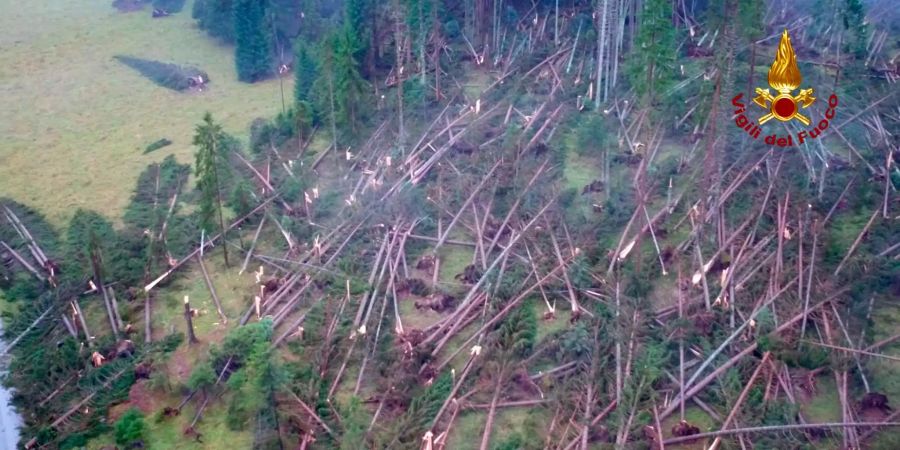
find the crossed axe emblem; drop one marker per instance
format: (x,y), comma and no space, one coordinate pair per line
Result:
(784,106)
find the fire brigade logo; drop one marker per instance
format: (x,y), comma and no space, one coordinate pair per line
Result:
(784,77)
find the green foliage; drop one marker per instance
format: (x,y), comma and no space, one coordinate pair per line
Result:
(575,343)
(202,376)
(168,75)
(652,63)
(515,441)
(209,139)
(120,254)
(357,21)
(515,336)
(355,425)
(170,6)
(305,72)
(241,199)
(36,223)
(252,37)
(409,428)
(592,134)
(156,145)
(155,188)
(159,381)
(265,134)
(304,117)
(750,15)
(257,380)
(854,20)
(130,427)
(216,17)
(350,88)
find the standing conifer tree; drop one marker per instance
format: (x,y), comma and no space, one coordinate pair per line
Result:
(652,64)
(350,87)
(305,73)
(854,18)
(253,50)
(209,139)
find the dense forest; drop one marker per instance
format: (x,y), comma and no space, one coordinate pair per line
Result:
(493,225)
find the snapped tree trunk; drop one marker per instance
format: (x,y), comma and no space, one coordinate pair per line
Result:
(188,317)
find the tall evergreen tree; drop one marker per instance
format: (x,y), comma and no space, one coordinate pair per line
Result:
(350,87)
(305,72)
(209,139)
(215,16)
(857,33)
(358,16)
(253,49)
(652,64)
(324,85)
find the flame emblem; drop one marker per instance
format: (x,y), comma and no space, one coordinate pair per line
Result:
(784,77)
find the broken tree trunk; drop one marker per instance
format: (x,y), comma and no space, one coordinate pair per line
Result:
(212,289)
(699,385)
(22,261)
(76,308)
(779,428)
(259,228)
(148,336)
(208,242)
(741,398)
(188,318)
(492,411)
(115,307)
(27,330)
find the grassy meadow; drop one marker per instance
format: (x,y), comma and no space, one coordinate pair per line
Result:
(75,122)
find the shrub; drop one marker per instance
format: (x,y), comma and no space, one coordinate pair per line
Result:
(130,427)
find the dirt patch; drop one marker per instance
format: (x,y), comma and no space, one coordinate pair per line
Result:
(117,411)
(143,398)
(180,364)
(127,6)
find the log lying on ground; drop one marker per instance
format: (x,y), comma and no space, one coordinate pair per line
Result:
(764,429)
(212,289)
(172,76)
(207,243)
(22,261)
(700,385)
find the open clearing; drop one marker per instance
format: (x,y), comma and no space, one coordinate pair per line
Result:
(75,122)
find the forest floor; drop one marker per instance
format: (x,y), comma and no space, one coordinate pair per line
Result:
(76,122)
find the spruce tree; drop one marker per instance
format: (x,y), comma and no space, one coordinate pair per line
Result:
(358,13)
(305,73)
(215,16)
(253,50)
(350,88)
(209,139)
(652,64)
(857,35)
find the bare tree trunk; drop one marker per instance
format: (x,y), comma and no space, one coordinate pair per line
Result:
(115,307)
(188,317)
(601,51)
(147,313)
(87,334)
(398,43)
(212,289)
(222,229)
(95,264)
(492,411)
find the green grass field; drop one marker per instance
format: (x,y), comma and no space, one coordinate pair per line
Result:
(75,122)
